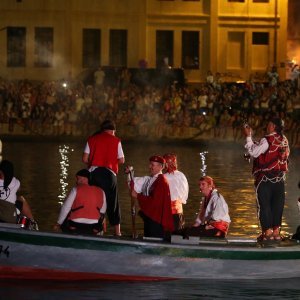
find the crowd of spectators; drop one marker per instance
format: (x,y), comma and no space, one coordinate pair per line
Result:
(212,109)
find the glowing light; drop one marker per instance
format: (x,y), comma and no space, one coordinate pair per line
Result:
(203,163)
(63,150)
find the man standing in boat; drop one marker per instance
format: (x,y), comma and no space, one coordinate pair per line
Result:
(270,164)
(102,154)
(153,195)
(179,189)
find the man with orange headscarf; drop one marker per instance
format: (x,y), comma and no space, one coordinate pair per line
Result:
(213,218)
(179,189)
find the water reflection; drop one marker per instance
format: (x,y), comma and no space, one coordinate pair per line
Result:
(63,150)
(203,163)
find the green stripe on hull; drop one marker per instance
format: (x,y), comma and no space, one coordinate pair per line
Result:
(156,249)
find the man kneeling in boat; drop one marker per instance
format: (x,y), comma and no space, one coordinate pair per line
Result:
(213,218)
(153,195)
(84,209)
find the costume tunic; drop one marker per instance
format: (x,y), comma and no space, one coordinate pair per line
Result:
(155,200)
(214,210)
(269,168)
(104,150)
(8,198)
(86,202)
(179,189)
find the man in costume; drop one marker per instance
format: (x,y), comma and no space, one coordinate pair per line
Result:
(153,195)
(84,209)
(179,189)
(270,164)
(102,154)
(213,218)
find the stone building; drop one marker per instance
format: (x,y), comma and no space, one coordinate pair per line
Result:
(54,39)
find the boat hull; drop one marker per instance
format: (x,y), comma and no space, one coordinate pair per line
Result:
(41,255)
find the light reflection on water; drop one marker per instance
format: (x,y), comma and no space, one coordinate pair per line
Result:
(64,166)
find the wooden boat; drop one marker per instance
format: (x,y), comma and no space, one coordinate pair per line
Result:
(26,254)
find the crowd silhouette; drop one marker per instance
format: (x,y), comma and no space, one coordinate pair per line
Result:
(213,108)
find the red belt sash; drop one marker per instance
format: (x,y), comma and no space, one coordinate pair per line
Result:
(220,225)
(176,207)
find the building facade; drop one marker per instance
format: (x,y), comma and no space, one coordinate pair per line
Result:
(54,39)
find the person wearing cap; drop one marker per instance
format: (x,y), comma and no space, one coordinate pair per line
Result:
(12,205)
(213,218)
(179,189)
(84,209)
(270,164)
(102,154)
(153,195)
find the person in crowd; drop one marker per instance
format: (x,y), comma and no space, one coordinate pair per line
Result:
(84,209)
(270,164)
(12,205)
(153,195)
(102,154)
(179,189)
(213,218)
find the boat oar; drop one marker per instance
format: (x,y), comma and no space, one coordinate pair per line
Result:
(133,208)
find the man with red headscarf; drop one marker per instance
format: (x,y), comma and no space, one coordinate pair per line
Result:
(179,189)
(153,195)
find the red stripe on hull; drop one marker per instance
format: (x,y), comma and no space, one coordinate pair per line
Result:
(62,275)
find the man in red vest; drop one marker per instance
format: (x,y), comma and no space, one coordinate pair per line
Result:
(102,154)
(84,209)
(270,163)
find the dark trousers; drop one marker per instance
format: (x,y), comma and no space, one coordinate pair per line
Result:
(152,228)
(270,200)
(107,181)
(178,222)
(202,232)
(80,228)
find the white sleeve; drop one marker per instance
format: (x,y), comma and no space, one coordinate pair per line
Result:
(256,149)
(87,148)
(120,151)
(219,210)
(139,182)
(65,209)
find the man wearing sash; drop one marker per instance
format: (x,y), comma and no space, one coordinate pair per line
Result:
(213,218)
(179,189)
(270,164)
